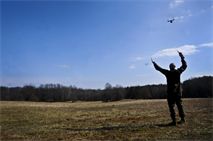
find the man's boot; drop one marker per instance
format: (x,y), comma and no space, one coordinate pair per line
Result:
(173,123)
(182,121)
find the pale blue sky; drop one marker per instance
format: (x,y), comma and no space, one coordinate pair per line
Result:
(90,43)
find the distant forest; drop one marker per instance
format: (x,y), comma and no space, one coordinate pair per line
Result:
(192,88)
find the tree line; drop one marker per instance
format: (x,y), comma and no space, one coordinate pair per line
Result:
(193,88)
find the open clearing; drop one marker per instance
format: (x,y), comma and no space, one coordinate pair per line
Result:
(122,120)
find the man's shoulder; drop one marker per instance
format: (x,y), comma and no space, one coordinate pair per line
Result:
(180,70)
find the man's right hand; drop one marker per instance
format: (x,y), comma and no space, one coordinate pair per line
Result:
(152,60)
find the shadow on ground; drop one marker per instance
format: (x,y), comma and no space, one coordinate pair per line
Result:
(118,127)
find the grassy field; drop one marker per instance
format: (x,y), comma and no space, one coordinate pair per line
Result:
(123,120)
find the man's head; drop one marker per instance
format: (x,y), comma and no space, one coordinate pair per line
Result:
(172,66)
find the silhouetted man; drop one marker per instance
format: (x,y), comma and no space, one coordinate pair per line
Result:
(174,89)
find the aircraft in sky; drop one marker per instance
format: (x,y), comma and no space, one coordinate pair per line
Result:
(171,20)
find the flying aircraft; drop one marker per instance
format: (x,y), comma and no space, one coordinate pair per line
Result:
(171,20)
(146,63)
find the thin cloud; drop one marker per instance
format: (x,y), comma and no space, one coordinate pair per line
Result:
(63,66)
(186,50)
(202,11)
(179,18)
(143,75)
(132,67)
(175,3)
(206,45)
(189,13)
(186,16)
(137,58)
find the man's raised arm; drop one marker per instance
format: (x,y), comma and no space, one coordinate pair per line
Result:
(159,68)
(184,64)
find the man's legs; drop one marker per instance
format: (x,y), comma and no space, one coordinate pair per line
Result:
(171,104)
(180,109)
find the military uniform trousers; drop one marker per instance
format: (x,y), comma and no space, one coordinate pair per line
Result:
(173,99)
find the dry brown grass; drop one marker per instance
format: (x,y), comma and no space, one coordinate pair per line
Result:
(123,120)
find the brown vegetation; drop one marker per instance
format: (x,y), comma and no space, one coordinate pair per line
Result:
(123,120)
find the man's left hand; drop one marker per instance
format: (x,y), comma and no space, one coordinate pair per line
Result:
(181,54)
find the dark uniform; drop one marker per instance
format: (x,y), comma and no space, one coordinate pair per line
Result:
(174,88)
